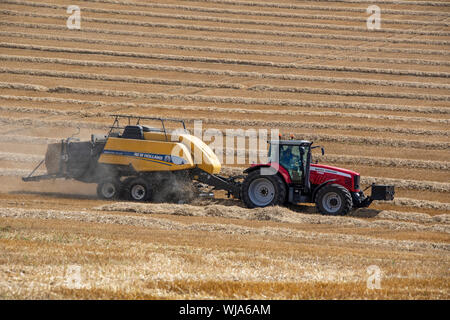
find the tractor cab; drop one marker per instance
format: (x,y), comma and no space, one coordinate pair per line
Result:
(295,157)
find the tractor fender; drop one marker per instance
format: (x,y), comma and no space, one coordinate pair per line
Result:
(313,197)
(280,170)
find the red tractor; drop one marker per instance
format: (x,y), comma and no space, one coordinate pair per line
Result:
(290,177)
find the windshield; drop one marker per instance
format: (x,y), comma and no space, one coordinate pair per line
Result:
(292,157)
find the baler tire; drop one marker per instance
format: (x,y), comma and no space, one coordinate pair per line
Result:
(138,189)
(341,195)
(279,189)
(109,189)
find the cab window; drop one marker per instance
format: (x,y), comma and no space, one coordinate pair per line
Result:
(292,158)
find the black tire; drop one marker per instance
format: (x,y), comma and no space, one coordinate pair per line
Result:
(138,189)
(334,199)
(256,185)
(109,189)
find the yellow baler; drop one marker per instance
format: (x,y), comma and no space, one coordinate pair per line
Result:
(136,160)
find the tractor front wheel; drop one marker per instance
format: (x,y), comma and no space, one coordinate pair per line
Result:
(334,199)
(263,190)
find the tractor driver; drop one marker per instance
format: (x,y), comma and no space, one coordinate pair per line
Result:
(291,161)
(286,156)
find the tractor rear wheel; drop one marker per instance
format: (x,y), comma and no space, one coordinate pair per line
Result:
(263,190)
(334,199)
(138,189)
(109,189)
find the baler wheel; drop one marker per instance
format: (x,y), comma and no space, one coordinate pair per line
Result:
(109,189)
(138,189)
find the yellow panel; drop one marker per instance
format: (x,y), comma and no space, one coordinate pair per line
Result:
(147,155)
(158,136)
(202,154)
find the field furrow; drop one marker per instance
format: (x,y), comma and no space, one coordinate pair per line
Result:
(286,125)
(193,38)
(268,31)
(232,21)
(348,107)
(228,61)
(254,13)
(212,72)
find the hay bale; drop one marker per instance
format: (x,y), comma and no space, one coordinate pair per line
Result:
(52,157)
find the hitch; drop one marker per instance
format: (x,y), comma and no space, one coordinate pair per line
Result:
(30,177)
(379,192)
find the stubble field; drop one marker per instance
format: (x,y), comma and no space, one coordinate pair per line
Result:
(378,101)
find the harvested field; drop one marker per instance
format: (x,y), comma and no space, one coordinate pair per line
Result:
(378,102)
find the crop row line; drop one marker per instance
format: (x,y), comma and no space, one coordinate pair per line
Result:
(258,63)
(422,204)
(386,162)
(20,157)
(209,39)
(288,14)
(252,123)
(128,79)
(409,184)
(395,2)
(215,72)
(354,160)
(435,145)
(17,172)
(200,98)
(296,34)
(244,123)
(221,20)
(438,249)
(228,110)
(22,139)
(289,103)
(358,93)
(202,84)
(300,6)
(230,50)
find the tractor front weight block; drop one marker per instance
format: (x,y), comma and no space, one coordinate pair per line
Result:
(379,192)
(382,192)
